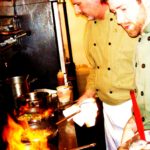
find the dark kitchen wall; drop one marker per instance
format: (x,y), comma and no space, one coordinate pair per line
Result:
(35,55)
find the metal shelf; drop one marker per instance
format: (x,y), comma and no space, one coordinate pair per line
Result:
(9,42)
(2,49)
(14,32)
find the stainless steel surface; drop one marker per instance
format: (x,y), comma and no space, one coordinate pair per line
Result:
(43,99)
(59,36)
(43,37)
(19,86)
(39,54)
(67,135)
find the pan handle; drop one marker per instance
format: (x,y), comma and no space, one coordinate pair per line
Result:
(64,119)
(84,147)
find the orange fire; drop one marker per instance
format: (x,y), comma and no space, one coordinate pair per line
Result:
(14,134)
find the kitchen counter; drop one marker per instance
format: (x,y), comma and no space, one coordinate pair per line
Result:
(67,135)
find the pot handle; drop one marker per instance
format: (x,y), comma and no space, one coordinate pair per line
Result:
(84,147)
(32,80)
(66,118)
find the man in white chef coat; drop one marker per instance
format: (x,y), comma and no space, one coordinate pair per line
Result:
(134,17)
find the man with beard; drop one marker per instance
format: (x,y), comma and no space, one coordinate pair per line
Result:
(134,17)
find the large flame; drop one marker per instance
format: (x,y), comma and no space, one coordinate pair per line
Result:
(14,134)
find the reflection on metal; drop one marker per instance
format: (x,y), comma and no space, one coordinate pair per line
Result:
(39,52)
(70,66)
(64,16)
(59,36)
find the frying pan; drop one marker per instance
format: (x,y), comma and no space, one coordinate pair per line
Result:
(47,124)
(36,107)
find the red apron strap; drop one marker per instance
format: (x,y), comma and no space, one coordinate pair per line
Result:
(137,115)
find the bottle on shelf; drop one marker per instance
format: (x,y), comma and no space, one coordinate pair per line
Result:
(60,78)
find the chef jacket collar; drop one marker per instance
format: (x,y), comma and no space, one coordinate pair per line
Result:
(147,29)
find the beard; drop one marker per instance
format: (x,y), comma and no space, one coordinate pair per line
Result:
(133,30)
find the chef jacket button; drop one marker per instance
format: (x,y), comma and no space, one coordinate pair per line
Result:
(139,40)
(142,93)
(143,65)
(94,44)
(111,19)
(108,68)
(98,67)
(148,38)
(97,90)
(136,64)
(109,43)
(143,118)
(110,92)
(95,22)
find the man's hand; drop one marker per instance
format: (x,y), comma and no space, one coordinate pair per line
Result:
(87,112)
(129,130)
(87,94)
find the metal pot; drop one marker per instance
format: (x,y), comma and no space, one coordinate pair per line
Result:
(53,100)
(19,86)
(38,114)
(38,105)
(39,99)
